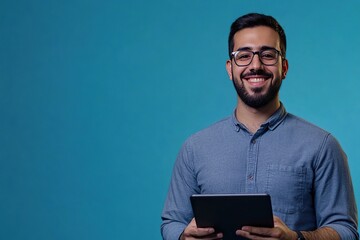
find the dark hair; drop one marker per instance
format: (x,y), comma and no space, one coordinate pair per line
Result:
(253,20)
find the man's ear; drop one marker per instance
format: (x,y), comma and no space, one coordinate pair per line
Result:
(229,68)
(285,68)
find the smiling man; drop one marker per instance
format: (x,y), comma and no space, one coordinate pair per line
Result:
(257,69)
(261,148)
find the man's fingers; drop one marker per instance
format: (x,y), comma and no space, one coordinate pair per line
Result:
(259,233)
(193,232)
(202,231)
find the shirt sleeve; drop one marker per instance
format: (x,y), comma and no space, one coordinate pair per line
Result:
(177,212)
(334,195)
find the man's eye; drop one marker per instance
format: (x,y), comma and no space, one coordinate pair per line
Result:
(243,56)
(268,55)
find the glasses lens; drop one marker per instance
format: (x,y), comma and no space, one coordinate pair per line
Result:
(269,57)
(243,58)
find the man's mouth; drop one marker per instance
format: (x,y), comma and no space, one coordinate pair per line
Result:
(256,76)
(256,81)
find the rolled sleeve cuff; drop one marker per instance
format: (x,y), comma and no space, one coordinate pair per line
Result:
(345,232)
(172,231)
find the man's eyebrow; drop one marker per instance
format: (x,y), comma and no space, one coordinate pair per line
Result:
(252,49)
(266,48)
(244,48)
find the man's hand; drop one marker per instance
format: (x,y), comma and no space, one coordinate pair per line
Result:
(279,232)
(193,232)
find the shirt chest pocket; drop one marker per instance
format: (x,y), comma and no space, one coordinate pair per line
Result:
(286,186)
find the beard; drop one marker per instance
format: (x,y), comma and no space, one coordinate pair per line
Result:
(257,100)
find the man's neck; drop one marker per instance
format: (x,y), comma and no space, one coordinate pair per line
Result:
(252,118)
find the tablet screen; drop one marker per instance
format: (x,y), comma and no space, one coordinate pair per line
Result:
(229,212)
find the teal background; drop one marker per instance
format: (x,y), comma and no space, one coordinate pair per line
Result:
(96,98)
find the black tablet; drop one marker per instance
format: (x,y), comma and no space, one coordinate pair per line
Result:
(229,212)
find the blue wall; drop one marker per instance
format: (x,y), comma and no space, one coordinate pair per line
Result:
(96,98)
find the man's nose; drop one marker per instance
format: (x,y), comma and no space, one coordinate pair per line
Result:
(256,63)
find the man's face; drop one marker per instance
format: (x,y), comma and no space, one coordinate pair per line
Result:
(257,84)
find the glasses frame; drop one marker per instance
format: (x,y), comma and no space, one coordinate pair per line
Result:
(233,54)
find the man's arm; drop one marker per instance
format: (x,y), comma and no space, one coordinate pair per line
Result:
(325,233)
(334,199)
(177,212)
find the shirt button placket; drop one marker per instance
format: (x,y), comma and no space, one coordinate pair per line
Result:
(251,166)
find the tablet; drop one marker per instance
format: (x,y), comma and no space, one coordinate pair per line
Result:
(229,212)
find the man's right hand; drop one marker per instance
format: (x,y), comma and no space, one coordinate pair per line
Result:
(193,232)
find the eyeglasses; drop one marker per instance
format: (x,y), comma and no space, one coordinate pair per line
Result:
(267,57)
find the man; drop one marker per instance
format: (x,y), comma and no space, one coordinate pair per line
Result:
(263,149)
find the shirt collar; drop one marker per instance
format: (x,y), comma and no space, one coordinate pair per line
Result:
(272,122)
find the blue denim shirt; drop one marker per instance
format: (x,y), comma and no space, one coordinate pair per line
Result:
(301,167)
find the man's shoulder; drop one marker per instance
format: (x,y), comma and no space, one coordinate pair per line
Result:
(301,125)
(215,129)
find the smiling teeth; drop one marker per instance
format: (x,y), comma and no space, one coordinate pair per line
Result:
(255,80)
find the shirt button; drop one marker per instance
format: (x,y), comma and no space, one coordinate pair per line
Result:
(251,177)
(253,141)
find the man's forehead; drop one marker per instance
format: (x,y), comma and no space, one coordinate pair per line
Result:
(256,38)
